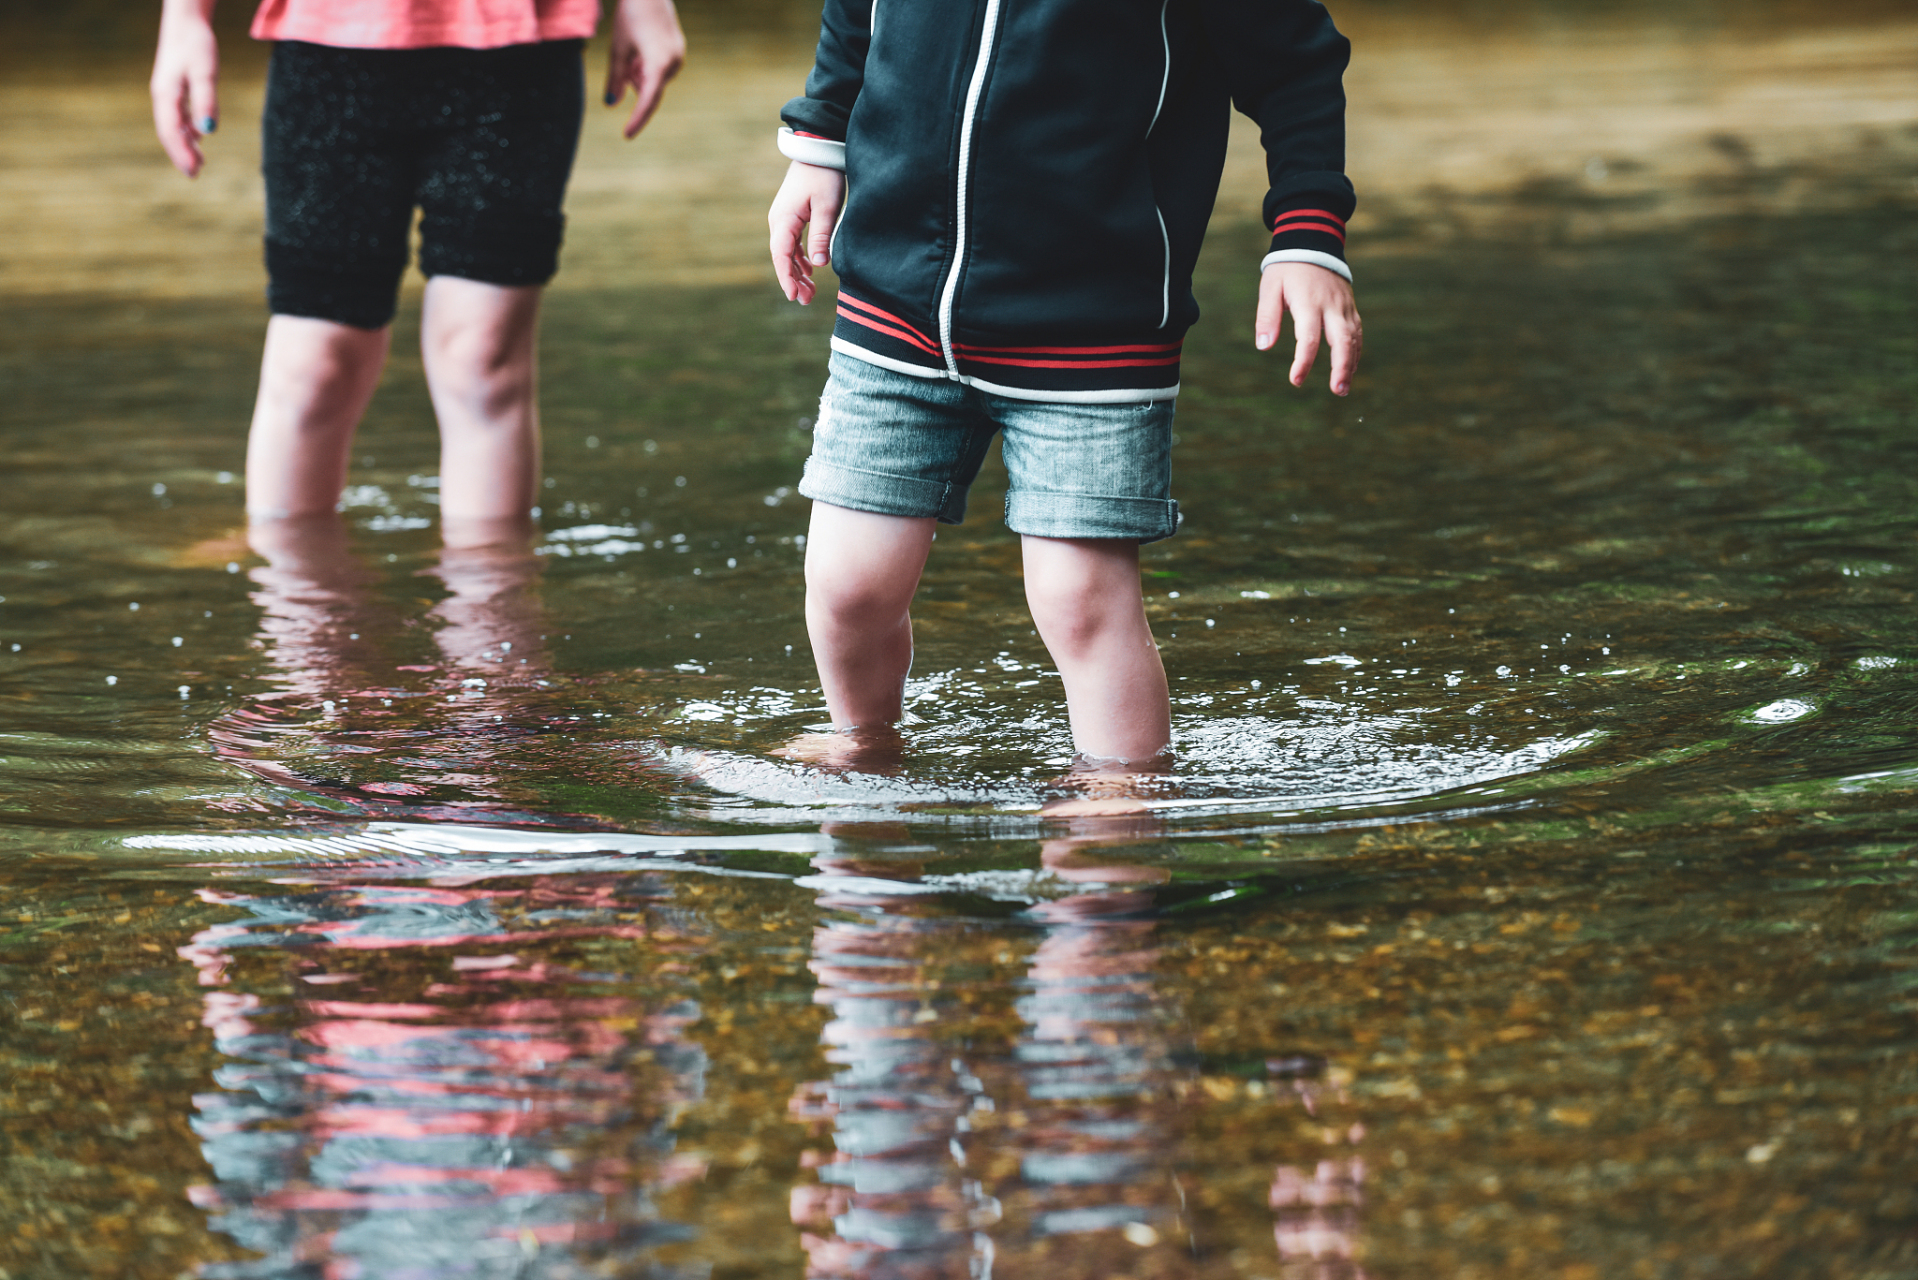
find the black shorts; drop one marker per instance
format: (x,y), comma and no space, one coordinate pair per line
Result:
(481,140)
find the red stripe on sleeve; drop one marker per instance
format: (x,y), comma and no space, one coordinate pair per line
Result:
(1327,229)
(1327,214)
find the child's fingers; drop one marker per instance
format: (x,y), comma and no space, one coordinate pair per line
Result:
(650,87)
(1347,339)
(1307,324)
(203,97)
(819,236)
(175,129)
(1271,311)
(783,269)
(616,64)
(656,59)
(791,268)
(645,102)
(649,48)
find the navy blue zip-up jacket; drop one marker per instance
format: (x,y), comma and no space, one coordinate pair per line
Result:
(1029,180)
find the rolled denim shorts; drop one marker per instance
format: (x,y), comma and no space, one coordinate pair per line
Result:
(898,445)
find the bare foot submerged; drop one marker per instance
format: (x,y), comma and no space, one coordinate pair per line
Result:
(1110,788)
(1095,807)
(878,751)
(1094,788)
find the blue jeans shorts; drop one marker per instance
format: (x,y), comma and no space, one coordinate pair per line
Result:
(898,445)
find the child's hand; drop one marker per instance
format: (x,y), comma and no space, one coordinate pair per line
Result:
(186,68)
(648,50)
(1321,304)
(810,194)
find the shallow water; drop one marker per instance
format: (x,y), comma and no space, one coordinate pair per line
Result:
(1534,895)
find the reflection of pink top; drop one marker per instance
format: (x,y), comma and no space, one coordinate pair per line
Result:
(419,24)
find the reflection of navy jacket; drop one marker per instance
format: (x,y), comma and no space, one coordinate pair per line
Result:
(1030,179)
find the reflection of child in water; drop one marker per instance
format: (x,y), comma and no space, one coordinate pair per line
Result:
(339,702)
(924,1179)
(416,1085)
(957,1152)
(469,111)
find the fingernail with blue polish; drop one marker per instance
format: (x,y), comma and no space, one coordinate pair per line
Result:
(611,98)
(209,124)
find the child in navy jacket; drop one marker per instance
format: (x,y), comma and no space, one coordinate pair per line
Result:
(1030,183)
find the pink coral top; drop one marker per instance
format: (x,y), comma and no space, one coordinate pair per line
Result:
(419,24)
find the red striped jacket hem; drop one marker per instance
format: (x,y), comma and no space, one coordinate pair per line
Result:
(1036,368)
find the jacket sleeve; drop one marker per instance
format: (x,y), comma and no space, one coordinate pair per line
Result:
(815,125)
(1284,63)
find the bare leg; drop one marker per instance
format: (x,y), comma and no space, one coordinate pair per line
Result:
(1084,596)
(316,378)
(479,342)
(861,572)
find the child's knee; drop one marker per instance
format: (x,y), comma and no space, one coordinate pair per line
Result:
(853,599)
(1068,616)
(469,353)
(1078,615)
(477,326)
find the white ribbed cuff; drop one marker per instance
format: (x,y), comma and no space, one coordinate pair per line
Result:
(1335,265)
(823,152)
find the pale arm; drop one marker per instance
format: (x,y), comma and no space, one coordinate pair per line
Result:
(186,73)
(648,49)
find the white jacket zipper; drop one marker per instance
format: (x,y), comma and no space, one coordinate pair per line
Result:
(986,39)
(1165,82)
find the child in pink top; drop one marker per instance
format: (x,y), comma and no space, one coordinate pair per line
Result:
(467,109)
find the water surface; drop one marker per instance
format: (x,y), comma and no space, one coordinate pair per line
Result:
(1533,895)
